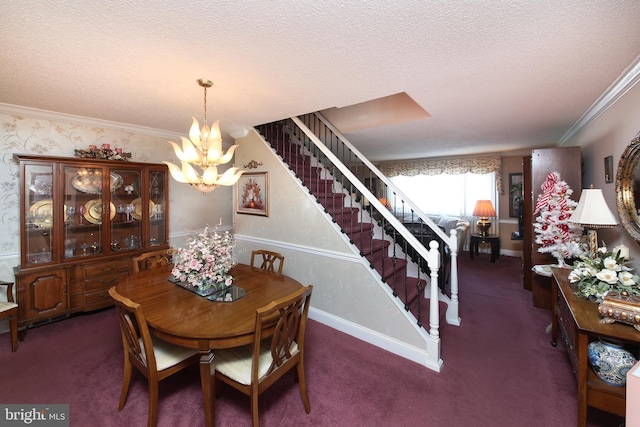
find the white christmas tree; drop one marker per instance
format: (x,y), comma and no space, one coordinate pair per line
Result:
(554,233)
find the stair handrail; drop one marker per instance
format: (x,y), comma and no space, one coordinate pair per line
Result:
(451,241)
(381,208)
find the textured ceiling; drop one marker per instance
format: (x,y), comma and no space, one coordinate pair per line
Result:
(494,75)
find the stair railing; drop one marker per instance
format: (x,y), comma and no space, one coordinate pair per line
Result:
(357,177)
(340,148)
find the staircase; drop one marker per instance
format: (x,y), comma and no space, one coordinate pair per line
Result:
(344,183)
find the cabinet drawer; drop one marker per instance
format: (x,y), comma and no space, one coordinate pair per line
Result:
(568,331)
(104,281)
(96,300)
(106,268)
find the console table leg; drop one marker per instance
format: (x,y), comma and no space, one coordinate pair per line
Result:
(583,374)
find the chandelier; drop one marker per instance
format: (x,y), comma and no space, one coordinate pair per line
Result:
(203,150)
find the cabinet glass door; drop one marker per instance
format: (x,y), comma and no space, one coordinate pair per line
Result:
(39,213)
(158,202)
(130,212)
(83,211)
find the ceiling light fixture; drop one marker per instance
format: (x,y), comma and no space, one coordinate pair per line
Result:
(204,150)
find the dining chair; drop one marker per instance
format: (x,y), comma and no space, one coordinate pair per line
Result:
(150,260)
(278,347)
(9,309)
(154,358)
(268,261)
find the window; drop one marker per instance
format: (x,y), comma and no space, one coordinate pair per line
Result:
(451,195)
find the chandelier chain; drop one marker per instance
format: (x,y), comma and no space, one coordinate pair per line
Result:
(205,105)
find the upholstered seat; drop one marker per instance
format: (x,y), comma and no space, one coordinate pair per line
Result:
(253,368)
(9,309)
(267,260)
(154,358)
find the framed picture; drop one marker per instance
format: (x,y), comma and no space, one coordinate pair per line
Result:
(515,194)
(608,169)
(253,194)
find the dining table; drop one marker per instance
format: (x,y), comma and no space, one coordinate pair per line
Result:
(182,317)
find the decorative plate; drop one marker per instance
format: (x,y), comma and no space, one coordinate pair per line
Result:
(138,212)
(92,183)
(42,213)
(93,211)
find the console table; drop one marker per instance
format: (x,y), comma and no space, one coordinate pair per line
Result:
(492,239)
(578,322)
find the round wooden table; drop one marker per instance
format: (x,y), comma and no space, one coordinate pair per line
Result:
(182,317)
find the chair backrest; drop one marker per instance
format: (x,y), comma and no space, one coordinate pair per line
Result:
(287,340)
(150,260)
(9,290)
(136,338)
(268,260)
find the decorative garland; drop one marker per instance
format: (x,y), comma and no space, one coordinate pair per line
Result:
(105,153)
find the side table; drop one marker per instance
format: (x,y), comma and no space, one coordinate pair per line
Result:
(492,239)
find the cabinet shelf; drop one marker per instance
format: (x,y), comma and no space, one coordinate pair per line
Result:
(68,262)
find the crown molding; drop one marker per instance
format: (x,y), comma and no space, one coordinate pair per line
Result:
(17,110)
(627,80)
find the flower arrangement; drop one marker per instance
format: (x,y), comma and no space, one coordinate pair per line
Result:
(603,273)
(105,153)
(206,261)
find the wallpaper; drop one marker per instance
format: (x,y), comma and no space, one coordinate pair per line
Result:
(52,134)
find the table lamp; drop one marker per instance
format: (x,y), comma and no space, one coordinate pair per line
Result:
(592,213)
(484,209)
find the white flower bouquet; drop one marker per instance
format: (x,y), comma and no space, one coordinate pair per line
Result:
(603,273)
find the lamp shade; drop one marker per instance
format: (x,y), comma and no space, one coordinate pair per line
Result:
(592,210)
(484,208)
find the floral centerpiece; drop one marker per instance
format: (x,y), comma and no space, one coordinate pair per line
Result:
(603,273)
(205,263)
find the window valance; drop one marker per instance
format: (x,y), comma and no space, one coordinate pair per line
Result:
(479,165)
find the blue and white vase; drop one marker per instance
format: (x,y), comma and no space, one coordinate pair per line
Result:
(610,361)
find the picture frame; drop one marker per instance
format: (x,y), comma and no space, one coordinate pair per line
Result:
(252,196)
(515,194)
(608,169)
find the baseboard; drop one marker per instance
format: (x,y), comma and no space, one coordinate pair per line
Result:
(369,336)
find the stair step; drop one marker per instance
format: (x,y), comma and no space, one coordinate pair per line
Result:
(387,269)
(356,228)
(342,214)
(369,248)
(330,199)
(320,185)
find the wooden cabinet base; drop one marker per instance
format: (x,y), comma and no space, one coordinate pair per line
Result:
(577,321)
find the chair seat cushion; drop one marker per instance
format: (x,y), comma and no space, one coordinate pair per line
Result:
(4,306)
(168,354)
(235,363)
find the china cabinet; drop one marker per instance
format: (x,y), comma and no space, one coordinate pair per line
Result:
(81,222)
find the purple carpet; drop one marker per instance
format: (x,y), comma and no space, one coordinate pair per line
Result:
(499,370)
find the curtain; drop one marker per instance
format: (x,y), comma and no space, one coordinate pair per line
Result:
(476,165)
